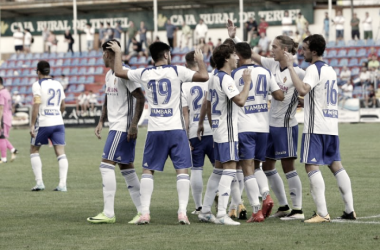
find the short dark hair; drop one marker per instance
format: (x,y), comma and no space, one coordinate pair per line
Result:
(212,62)
(158,49)
(43,67)
(1,80)
(243,50)
(229,42)
(316,43)
(190,60)
(107,43)
(221,53)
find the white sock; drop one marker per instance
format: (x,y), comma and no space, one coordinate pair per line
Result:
(133,185)
(4,159)
(196,182)
(240,177)
(183,189)
(146,190)
(37,167)
(109,188)
(63,168)
(295,189)
(277,186)
(317,188)
(211,189)
(235,194)
(344,184)
(225,190)
(13,150)
(252,190)
(262,181)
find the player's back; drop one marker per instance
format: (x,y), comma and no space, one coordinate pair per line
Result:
(193,94)
(321,103)
(224,112)
(163,92)
(52,95)
(254,117)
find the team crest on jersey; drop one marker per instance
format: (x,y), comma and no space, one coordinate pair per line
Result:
(231,88)
(285,79)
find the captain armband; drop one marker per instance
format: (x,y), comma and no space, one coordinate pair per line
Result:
(37,99)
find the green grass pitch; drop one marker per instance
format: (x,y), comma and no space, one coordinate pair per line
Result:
(57,220)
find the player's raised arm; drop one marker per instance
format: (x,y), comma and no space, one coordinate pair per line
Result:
(201,75)
(241,98)
(300,86)
(140,102)
(232,34)
(118,67)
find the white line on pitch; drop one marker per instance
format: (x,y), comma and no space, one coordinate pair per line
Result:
(356,222)
(368,217)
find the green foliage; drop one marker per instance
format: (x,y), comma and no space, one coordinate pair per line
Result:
(57,220)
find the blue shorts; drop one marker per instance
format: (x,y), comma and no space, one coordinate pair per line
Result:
(201,149)
(161,144)
(118,149)
(227,151)
(252,145)
(56,134)
(282,142)
(319,149)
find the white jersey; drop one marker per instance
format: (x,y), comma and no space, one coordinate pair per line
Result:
(254,117)
(282,112)
(224,112)
(52,95)
(120,102)
(321,103)
(192,97)
(163,92)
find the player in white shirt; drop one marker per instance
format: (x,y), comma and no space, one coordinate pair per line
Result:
(92,101)
(283,136)
(254,126)
(193,94)
(320,141)
(47,123)
(123,106)
(223,98)
(166,129)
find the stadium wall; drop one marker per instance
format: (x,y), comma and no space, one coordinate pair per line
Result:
(6,43)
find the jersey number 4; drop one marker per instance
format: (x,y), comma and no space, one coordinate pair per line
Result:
(162,87)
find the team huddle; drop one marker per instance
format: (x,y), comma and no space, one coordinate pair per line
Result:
(224,115)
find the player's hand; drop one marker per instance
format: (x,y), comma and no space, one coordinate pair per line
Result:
(231,29)
(289,59)
(198,55)
(32,131)
(191,147)
(132,133)
(200,131)
(114,46)
(98,130)
(247,76)
(300,102)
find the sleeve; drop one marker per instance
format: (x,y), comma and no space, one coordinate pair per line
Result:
(36,89)
(311,76)
(301,73)
(184,97)
(185,74)
(63,96)
(273,86)
(229,87)
(267,62)
(208,90)
(135,75)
